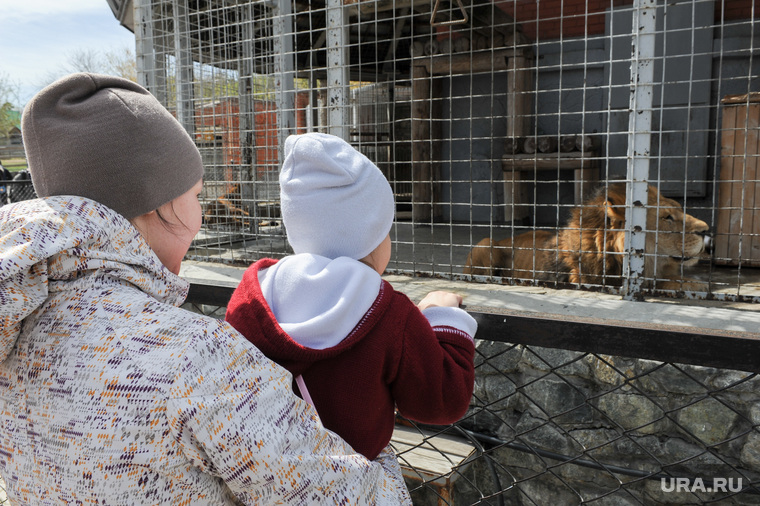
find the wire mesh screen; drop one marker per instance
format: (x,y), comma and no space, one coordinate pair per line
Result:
(17,189)
(607,145)
(556,426)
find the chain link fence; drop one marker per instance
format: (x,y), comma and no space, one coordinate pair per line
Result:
(3,496)
(16,190)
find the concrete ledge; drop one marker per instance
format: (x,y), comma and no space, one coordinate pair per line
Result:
(686,314)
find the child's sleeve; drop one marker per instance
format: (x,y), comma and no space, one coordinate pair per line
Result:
(435,376)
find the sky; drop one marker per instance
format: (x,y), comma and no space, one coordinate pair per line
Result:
(39,35)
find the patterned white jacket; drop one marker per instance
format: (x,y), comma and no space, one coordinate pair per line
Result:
(110,394)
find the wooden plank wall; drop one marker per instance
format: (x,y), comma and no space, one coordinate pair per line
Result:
(737,238)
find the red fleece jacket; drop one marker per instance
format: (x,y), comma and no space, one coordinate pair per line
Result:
(393,357)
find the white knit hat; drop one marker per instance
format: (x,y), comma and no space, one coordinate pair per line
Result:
(335,202)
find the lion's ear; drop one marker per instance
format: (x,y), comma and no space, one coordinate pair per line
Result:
(615,211)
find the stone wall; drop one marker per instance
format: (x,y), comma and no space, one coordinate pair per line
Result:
(641,415)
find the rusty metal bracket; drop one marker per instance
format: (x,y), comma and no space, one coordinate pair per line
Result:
(462,21)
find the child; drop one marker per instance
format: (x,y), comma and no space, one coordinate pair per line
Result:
(360,348)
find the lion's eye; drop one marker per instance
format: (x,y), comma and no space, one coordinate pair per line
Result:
(669,217)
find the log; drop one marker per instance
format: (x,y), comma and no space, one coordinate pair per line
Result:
(422,169)
(418,49)
(445,46)
(586,142)
(432,48)
(547,144)
(520,98)
(479,42)
(461,44)
(529,145)
(222,210)
(513,145)
(567,143)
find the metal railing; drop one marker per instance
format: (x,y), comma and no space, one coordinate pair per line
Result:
(16,191)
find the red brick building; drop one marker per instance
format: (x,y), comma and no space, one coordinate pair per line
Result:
(554,19)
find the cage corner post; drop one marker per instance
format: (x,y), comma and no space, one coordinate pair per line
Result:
(639,145)
(338,107)
(183,67)
(284,70)
(151,67)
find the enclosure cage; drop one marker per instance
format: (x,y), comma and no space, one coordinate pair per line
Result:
(609,145)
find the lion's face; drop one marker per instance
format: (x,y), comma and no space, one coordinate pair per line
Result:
(593,244)
(674,238)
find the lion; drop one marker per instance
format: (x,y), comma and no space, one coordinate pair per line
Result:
(590,248)
(534,253)
(222,210)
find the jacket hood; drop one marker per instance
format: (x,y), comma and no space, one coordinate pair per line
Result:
(59,243)
(318,301)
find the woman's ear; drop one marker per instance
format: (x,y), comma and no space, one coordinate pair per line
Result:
(140,222)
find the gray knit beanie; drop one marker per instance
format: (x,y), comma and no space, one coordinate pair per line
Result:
(107,139)
(335,202)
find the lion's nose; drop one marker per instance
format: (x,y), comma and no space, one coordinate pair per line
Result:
(707,242)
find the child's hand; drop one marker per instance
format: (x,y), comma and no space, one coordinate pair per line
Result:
(439,298)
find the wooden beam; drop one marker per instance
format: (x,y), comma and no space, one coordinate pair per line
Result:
(430,455)
(547,161)
(422,169)
(585,167)
(385,5)
(466,63)
(520,106)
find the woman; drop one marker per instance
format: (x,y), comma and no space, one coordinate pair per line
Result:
(109,391)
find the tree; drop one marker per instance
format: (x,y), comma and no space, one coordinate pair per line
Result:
(83,60)
(9,98)
(121,63)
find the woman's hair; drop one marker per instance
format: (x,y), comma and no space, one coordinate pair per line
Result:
(168,225)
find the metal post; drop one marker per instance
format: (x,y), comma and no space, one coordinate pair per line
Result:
(245,90)
(284,70)
(183,67)
(246,125)
(144,41)
(639,142)
(337,69)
